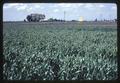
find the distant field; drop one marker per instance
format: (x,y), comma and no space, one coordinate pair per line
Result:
(60,50)
(69,23)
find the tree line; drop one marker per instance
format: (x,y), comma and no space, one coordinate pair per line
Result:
(41,17)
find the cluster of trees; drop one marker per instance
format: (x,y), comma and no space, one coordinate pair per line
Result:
(114,20)
(35,17)
(40,17)
(52,20)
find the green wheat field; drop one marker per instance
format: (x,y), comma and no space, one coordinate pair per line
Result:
(59,51)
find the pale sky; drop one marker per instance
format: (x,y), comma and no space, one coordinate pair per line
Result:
(88,11)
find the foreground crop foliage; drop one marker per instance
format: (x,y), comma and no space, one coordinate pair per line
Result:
(59,52)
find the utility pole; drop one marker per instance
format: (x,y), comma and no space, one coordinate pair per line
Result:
(110,17)
(64,15)
(100,17)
